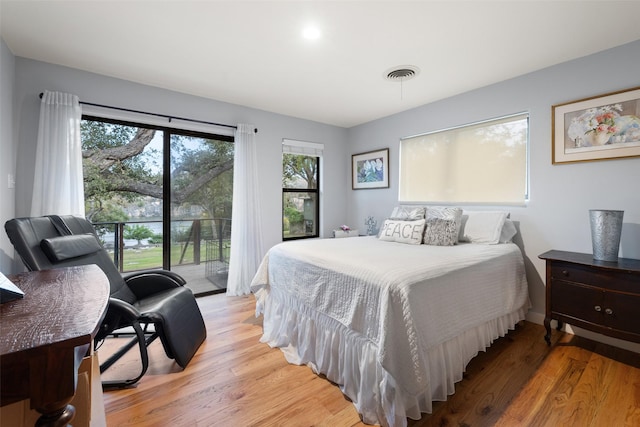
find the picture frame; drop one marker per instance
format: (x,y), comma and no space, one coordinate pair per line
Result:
(370,170)
(601,127)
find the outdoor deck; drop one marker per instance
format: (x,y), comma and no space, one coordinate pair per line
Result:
(201,253)
(203,279)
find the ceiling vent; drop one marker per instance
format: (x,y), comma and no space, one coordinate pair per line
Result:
(401,73)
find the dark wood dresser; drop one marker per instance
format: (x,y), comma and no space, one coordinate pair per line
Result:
(599,296)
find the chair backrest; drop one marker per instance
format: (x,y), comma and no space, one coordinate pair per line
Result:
(36,239)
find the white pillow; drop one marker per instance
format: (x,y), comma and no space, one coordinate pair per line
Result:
(407,213)
(508,232)
(482,226)
(402,231)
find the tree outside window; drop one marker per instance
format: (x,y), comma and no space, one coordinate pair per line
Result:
(172,189)
(300,204)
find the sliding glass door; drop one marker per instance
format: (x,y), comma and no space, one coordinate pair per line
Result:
(201,195)
(161,198)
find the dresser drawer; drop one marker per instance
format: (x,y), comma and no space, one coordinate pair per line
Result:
(618,280)
(622,312)
(577,301)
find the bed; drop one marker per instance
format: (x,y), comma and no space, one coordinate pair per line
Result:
(393,324)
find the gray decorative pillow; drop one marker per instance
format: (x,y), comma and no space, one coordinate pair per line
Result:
(446,212)
(408,213)
(440,232)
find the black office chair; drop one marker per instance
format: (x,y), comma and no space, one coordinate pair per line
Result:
(138,300)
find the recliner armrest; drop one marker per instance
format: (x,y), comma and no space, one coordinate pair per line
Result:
(119,313)
(125,309)
(145,283)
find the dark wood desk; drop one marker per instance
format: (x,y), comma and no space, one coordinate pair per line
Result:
(44,337)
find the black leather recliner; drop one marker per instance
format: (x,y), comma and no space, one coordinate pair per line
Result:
(139,299)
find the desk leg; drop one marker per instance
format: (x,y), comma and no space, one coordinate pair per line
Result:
(53,378)
(60,417)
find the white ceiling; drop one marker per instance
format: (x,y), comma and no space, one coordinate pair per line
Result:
(253,54)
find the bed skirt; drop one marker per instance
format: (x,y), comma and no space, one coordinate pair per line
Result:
(350,359)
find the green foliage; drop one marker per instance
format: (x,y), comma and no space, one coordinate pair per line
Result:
(152,257)
(180,235)
(293,215)
(156,239)
(296,167)
(109,211)
(100,179)
(190,157)
(104,213)
(101,135)
(138,232)
(122,170)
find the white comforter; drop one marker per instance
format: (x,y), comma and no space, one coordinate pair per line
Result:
(400,302)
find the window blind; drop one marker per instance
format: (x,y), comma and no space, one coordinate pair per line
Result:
(480,163)
(304,148)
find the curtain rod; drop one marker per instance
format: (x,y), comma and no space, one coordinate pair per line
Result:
(255,130)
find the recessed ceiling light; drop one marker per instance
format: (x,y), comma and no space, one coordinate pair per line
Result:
(311,33)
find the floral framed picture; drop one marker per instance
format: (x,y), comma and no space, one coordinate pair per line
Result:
(370,170)
(597,128)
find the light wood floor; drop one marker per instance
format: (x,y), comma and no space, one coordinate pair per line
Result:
(236,381)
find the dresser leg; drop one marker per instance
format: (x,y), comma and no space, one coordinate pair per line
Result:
(547,326)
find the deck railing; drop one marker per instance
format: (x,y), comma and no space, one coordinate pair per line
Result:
(187,238)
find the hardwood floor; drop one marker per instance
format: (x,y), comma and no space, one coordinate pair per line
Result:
(236,381)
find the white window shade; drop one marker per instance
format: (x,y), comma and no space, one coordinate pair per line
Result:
(304,148)
(482,163)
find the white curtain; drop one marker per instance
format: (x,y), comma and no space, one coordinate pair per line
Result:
(58,187)
(246,225)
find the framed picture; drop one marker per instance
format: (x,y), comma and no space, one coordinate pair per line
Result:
(597,128)
(370,170)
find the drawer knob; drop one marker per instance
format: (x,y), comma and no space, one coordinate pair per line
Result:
(565,273)
(598,308)
(608,311)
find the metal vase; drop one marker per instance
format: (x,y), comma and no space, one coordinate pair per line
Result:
(606,228)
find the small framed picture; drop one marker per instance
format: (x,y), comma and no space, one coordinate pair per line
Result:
(597,128)
(370,169)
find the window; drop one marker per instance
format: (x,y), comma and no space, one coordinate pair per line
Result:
(160,197)
(481,163)
(300,189)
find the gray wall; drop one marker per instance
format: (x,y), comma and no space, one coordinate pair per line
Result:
(7,152)
(32,77)
(556,216)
